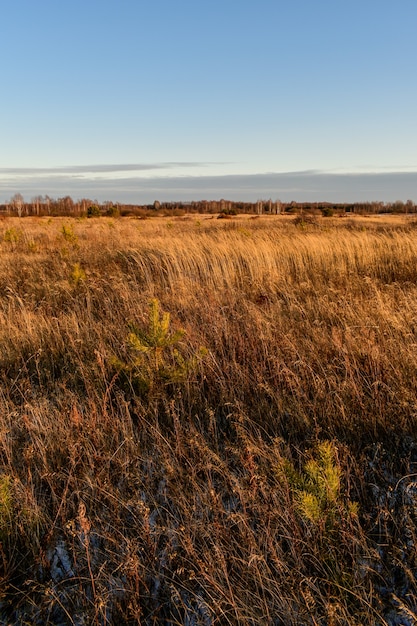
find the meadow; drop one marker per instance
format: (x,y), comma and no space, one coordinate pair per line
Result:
(208,422)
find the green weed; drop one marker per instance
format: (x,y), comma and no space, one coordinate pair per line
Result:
(6,506)
(78,275)
(68,234)
(12,235)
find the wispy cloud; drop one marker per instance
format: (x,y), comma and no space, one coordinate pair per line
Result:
(96,169)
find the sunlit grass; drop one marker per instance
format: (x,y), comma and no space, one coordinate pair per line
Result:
(169,504)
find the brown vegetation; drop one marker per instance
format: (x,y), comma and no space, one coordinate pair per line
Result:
(250,459)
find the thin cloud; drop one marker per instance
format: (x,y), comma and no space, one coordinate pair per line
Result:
(100,168)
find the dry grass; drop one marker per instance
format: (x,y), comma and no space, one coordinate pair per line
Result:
(170,503)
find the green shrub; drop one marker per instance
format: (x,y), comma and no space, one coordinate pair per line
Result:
(155,356)
(317,489)
(68,234)
(93,211)
(6,506)
(112,211)
(78,275)
(12,235)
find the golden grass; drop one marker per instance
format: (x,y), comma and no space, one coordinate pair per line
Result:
(167,505)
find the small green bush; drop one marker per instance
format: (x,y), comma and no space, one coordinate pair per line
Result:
(317,489)
(93,211)
(68,234)
(6,506)
(155,356)
(327,211)
(12,235)
(112,211)
(78,275)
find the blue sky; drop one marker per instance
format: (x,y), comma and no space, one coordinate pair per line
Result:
(177,100)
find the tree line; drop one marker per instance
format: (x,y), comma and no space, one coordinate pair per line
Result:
(66,206)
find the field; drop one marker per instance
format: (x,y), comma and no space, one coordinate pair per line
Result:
(208,421)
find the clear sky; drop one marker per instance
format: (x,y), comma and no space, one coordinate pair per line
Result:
(138,100)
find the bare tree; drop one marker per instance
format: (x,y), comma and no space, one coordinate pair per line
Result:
(17,202)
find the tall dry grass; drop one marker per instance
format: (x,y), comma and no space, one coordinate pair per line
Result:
(174,504)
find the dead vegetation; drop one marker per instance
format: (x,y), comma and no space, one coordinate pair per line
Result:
(249,458)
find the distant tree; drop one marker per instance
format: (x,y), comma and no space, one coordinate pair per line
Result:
(17,203)
(65,205)
(398,207)
(112,211)
(93,211)
(277,206)
(37,202)
(327,211)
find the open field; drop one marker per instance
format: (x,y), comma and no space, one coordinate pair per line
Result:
(250,460)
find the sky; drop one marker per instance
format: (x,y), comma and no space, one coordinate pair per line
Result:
(134,100)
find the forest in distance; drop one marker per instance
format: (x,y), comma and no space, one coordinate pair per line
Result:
(208,422)
(66,206)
